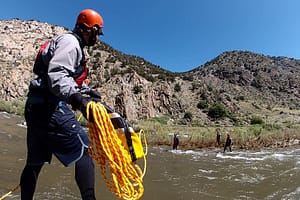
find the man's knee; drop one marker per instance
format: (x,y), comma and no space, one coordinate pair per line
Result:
(30,172)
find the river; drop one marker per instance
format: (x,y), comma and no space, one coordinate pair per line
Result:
(171,175)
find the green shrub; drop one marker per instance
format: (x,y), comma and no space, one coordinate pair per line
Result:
(256,120)
(188,116)
(240,98)
(202,104)
(137,89)
(187,78)
(217,111)
(177,87)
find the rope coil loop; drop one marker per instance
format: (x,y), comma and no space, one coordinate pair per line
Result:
(122,177)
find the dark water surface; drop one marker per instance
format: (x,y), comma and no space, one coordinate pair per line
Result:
(171,175)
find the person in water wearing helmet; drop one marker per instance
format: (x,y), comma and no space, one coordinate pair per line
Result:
(228,142)
(52,127)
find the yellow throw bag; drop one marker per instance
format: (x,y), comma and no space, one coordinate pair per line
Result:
(130,139)
(136,141)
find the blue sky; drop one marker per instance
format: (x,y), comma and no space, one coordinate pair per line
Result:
(179,35)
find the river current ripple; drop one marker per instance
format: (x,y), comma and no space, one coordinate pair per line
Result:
(171,174)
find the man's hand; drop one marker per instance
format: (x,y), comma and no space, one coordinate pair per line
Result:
(95,96)
(80,102)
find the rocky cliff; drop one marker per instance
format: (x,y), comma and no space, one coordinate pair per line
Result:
(243,83)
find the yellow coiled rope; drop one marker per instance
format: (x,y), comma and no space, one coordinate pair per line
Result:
(124,177)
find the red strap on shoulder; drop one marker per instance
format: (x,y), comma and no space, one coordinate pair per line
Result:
(44,45)
(83,76)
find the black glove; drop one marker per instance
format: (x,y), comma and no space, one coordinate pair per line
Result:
(79,102)
(95,96)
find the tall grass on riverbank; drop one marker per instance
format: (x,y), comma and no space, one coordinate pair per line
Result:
(15,106)
(244,137)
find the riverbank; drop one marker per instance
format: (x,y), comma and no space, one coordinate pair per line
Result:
(244,137)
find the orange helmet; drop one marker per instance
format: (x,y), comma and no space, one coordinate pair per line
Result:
(90,18)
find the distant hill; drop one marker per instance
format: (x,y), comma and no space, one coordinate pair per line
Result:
(231,89)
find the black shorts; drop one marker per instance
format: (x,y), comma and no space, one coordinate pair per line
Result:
(53,129)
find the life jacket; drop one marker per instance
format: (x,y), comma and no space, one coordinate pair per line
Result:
(40,68)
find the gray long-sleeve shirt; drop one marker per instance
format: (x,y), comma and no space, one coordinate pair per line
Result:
(63,56)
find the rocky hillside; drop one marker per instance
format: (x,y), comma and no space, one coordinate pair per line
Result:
(239,84)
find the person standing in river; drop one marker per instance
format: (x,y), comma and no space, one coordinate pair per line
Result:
(228,142)
(175,141)
(52,127)
(218,137)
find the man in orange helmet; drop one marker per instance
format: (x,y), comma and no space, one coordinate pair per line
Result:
(228,142)
(52,127)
